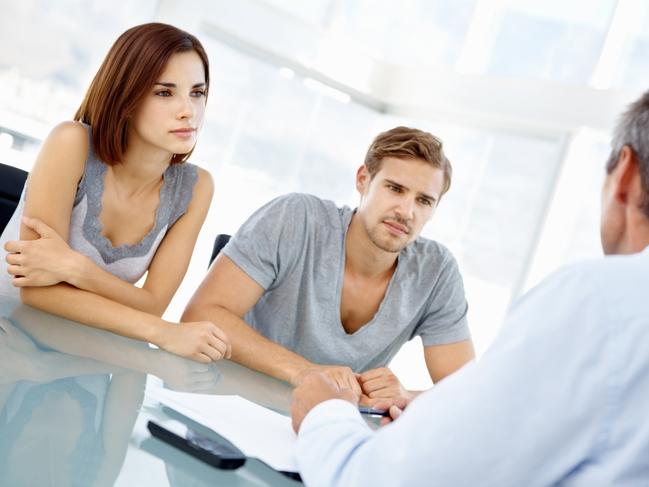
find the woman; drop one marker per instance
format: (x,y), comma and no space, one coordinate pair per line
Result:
(111,198)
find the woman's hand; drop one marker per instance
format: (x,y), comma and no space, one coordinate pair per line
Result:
(42,262)
(202,341)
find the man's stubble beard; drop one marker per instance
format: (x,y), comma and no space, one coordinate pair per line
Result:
(374,234)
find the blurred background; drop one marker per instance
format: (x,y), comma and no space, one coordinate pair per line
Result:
(523,93)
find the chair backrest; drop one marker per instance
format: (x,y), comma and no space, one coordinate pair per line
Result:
(12,181)
(219,243)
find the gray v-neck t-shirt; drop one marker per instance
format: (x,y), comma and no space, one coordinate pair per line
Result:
(294,248)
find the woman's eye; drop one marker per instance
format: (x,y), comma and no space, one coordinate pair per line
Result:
(163,93)
(198,93)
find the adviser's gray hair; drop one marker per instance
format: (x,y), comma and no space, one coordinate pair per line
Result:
(632,130)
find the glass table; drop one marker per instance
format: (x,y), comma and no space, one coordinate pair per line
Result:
(74,408)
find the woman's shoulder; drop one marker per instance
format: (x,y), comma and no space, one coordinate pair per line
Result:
(65,148)
(204,179)
(192,188)
(202,186)
(70,131)
(192,177)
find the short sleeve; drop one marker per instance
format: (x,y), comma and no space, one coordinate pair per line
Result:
(445,319)
(268,244)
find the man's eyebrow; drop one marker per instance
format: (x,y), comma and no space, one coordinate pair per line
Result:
(428,197)
(399,185)
(394,183)
(173,85)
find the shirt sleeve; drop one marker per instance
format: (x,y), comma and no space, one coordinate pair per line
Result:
(267,244)
(534,409)
(445,320)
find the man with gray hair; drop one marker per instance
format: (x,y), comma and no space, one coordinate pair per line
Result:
(559,398)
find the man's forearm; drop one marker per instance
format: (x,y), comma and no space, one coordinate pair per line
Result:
(250,348)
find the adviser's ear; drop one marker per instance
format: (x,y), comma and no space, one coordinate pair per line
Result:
(625,179)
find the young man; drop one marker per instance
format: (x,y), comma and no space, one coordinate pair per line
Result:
(307,286)
(559,398)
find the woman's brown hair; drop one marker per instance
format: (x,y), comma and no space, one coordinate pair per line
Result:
(128,72)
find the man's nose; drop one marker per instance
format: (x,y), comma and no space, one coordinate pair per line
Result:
(406,208)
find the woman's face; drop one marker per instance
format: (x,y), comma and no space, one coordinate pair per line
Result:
(171,114)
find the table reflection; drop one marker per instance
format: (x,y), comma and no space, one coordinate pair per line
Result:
(70,395)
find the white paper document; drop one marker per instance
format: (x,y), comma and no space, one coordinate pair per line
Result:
(257,431)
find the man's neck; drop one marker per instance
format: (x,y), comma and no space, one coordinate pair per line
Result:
(362,257)
(636,236)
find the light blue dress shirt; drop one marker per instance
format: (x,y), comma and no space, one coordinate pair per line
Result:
(560,398)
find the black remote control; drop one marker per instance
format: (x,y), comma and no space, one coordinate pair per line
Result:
(205,449)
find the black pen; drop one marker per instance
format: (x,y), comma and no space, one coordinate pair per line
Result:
(373,412)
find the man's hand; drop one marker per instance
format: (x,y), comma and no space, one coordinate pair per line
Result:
(42,262)
(315,388)
(342,377)
(394,406)
(381,383)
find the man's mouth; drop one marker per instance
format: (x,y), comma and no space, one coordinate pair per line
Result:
(396,228)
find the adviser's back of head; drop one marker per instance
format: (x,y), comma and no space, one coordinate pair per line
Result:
(625,195)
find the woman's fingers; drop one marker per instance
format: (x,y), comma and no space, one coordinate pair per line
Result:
(20,282)
(201,357)
(223,338)
(218,345)
(15,246)
(16,259)
(15,270)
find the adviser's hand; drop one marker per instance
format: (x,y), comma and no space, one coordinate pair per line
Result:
(45,261)
(315,388)
(381,383)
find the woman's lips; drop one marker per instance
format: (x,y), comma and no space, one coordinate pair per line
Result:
(184,133)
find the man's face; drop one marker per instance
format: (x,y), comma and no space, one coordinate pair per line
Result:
(398,200)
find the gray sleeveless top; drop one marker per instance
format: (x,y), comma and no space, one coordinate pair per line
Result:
(128,262)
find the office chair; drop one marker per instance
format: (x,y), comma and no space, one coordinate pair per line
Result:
(219,243)
(12,181)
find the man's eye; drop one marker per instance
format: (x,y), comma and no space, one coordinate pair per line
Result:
(424,201)
(396,189)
